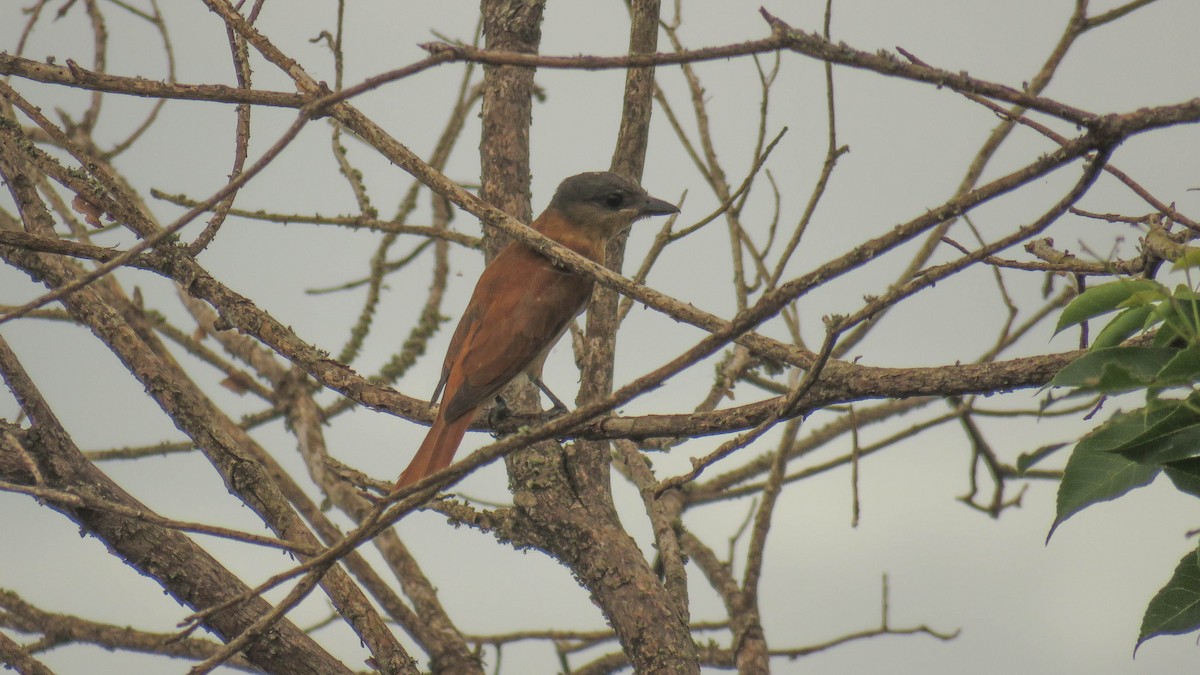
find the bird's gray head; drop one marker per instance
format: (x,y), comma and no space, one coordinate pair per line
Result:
(606,201)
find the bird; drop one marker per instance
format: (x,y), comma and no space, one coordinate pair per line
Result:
(521,306)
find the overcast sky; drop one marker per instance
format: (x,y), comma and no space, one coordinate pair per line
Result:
(1022,606)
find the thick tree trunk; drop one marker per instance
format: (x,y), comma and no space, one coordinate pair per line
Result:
(563,498)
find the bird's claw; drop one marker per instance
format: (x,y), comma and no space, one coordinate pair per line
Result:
(497,416)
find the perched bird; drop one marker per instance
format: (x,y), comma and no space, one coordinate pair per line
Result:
(522,305)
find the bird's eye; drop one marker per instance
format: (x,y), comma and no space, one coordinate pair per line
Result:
(614,200)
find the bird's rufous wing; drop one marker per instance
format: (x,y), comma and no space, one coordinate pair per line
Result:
(520,307)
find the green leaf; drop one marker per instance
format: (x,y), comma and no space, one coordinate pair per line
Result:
(1175,608)
(1190,258)
(1177,445)
(1162,419)
(1027,459)
(1185,292)
(1094,474)
(1105,298)
(1114,370)
(1182,369)
(1185,474)
(1181,314)
(1168,336)
(1125,325)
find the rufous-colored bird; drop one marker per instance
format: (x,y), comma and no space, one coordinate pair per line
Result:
(522,305)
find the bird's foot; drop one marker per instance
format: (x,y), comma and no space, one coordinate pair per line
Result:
(498,418)
(558,410)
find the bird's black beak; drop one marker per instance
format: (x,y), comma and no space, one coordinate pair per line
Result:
(657,207)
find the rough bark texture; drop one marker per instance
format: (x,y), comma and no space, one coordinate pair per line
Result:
(60,160)
(516,26)
(178,564)
(122,326)
(562,495)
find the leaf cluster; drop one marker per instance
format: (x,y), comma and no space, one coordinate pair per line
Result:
(1150,344)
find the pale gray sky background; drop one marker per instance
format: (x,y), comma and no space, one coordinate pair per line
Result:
(1022,606)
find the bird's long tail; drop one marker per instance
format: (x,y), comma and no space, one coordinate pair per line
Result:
(437,450)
